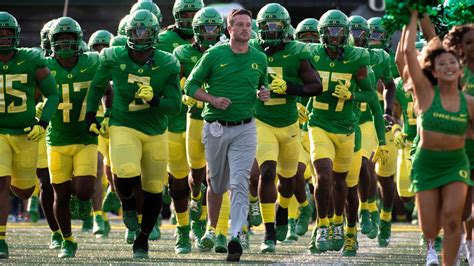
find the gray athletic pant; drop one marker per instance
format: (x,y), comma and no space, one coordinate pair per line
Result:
(229,160)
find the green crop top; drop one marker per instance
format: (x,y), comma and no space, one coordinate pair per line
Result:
(437,119)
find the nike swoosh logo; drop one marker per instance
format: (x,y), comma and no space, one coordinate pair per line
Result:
(21,62)
(83,70)
(155,68)
(223,65)
(346,62)
(285,55)
(294,135)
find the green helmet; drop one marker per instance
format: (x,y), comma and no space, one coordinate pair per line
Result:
(273,22)
(100,37)
(8,21)
(121,27)
(142,30)
(333,29)
(150,6)
(45,44)
(378,35)
(181,7)
(65,48)
(307,31)
(254,25)
(208,26)
(118,41)
(359,30)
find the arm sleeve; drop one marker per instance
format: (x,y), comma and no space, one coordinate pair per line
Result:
(170,103)
(264,77)
(47,87)
(99,84)
(379,122)
(198,75)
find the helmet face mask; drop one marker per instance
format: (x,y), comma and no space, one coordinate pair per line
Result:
(9,32)
(66,36)
(208,26)
(142,30)
(360,37)
(184,12)
(308,37)
(378,35)
(307,31)
(273,24)
(333,29)
(334,36)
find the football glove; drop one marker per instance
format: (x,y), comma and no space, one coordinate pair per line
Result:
(145,92)
(39,109)
(399,137)
(278,85)
(104,128)
(37,131)
(302,113)
(381,155)
(188,100)
(182,82)
(92,124)
(341,91)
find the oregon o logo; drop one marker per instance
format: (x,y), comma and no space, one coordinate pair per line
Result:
(463,174)
(254,66)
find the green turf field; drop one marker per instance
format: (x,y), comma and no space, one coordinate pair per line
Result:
(28,244)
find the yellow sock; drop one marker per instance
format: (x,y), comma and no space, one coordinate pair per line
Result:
(293,209)
(268,212)
(203,213)
(211,228)
(3,231)
(69,238)
(245,229)
(386,216)
(223,220)
(139,218)
(364,205)
(252,198)
(182,218)
(97,213)
(105,216)
(338,219)
(373,206)
(304,204)
(283,202)
(323,222)
(198,196)
(331,219)
(351,230)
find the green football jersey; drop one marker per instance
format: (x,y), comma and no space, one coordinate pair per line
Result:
(280,110)
(405,100)
(169,40)
(128,110)
(68,126)
(17,90)
(467,81)
(234,76)
(380,64)
(188,55)
(330,113)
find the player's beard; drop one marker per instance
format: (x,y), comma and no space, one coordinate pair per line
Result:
(242,37)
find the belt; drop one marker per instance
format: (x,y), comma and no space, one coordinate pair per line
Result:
(231,123)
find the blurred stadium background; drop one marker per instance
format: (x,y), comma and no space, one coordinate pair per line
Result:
(93,15)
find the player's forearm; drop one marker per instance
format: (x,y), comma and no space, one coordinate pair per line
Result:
(378,119)
(107,99)
(94,98)
(47,87)
(389,97)
(203,96)
(306,90)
